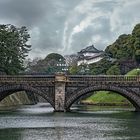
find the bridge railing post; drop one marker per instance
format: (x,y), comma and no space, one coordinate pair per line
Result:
(60,81)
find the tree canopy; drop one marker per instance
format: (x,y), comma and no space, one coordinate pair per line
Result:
(126,46)
(13,48)
(47,65)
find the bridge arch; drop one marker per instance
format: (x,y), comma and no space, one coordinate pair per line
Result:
(132,97)
(10,89)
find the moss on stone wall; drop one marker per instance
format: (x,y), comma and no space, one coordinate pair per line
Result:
(16,99)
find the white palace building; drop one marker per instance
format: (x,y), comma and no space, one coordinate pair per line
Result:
(89,55)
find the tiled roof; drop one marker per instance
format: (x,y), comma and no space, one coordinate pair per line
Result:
(90,49)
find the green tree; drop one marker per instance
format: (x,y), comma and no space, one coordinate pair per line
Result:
(137,55)
(100,67)
(136,31)
(74,69)
(126,46)
(48,65)
(119,49)
(13,48)
(114,70)
(54,56)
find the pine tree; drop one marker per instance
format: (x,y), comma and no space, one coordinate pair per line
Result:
(13,48)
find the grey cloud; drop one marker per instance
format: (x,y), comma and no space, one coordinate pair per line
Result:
(106,5)
(24,12)
(119,11)
(52,27)
(47,20)
(46,15)
(85,38)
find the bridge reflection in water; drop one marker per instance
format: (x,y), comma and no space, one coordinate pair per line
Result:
(61,91)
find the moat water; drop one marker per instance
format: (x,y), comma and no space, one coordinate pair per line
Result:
(39,122)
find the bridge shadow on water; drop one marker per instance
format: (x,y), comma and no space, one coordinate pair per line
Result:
(45,110)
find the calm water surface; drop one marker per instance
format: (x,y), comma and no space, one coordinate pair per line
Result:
(39,122)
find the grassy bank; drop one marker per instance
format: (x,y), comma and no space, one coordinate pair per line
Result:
(106,98)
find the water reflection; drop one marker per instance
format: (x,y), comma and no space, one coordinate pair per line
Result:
(39,122)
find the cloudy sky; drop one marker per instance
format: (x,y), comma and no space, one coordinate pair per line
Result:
(67,26)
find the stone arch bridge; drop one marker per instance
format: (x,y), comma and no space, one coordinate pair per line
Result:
(61,91)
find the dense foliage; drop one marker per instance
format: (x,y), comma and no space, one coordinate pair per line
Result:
(101,67)
(13,48)
(113,70)
(49,65)
(126,46)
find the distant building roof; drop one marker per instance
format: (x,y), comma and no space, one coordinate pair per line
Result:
(89,55)
(91,49)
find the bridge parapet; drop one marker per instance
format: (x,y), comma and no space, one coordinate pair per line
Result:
(110,78)
(26,79)
(68,78)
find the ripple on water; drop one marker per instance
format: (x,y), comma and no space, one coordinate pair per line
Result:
(39,122)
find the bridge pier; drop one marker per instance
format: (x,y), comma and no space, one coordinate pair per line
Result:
(60,81)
